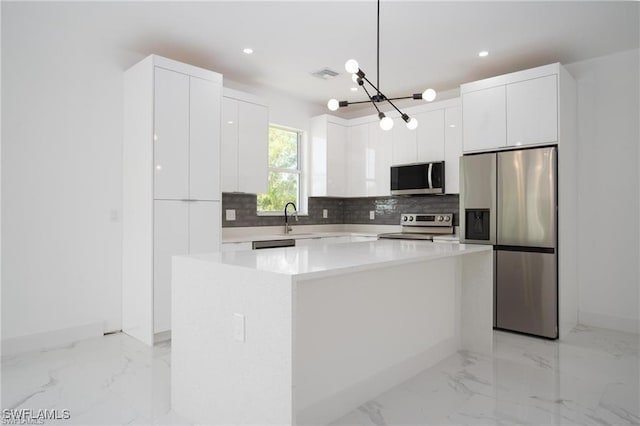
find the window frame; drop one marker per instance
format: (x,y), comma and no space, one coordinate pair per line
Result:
(301,203)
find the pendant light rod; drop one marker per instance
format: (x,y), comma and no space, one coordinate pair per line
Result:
(371,99)
(378,52)
(352,67)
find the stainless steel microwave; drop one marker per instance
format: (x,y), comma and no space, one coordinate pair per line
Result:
(417,178)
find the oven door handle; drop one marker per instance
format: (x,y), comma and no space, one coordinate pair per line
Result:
(429,174)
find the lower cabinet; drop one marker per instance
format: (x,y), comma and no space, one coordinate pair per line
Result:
(180,227)
(240,246)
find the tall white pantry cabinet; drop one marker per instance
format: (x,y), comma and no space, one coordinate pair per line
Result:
(171,184)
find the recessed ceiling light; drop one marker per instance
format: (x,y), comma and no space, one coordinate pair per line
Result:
(230,122)
(248,50)
(483,53)
(452,125)
(354,89)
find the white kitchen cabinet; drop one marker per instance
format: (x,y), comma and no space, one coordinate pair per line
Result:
(532,111)
(404,144)
(452,149)
(356,153)
(430,136)
(229,145)
(185,136)
(484,117)
(171,237)
(517,109)
(171,134)
(237,246)
(204,139)
(245,143)
(328,150)
(253,148)
(335,157)
(378,157)
(180,227)
(171,185)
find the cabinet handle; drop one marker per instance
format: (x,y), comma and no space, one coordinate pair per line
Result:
(190,200)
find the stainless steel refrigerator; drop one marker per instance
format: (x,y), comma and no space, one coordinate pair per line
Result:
(509,199)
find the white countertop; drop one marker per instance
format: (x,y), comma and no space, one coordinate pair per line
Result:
(312,262)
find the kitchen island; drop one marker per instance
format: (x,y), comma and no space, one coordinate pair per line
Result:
(303,335)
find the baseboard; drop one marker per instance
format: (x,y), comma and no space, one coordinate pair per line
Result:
(629,325)
(50,339)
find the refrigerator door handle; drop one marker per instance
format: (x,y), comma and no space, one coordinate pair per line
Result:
(429,175)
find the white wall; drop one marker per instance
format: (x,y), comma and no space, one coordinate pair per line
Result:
(608,201)
(61,178)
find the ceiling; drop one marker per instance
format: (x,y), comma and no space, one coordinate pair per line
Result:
(422,43)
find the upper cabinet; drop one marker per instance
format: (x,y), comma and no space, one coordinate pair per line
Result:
(404,143)
(352,158)
(511,110)
(328,147)
(532,111)
(244,143)
(484,115)
(378,161)
(357,147)
(452,149)
(430,136)
(185,136)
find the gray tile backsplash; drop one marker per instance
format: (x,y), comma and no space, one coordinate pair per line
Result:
(341,210)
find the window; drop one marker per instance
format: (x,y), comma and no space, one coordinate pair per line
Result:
(284,171)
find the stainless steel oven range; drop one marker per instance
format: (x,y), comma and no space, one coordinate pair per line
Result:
(422,226)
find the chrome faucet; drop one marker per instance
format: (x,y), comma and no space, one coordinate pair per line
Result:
(287,228)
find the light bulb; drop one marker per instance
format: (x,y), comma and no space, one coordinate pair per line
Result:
(352,66)
(386,123)
(354,78)
(412,124)
(429,95)
(333,104)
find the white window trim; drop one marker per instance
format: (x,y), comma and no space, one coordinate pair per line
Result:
(302,193)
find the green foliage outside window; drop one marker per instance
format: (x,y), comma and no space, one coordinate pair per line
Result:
(284,174)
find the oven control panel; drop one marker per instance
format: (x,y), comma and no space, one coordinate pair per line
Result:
(426,219)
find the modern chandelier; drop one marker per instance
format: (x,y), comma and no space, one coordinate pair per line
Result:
(358,76)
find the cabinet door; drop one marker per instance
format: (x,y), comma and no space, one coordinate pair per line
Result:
(379,154)
(205,225)
(484,118)
(235,246)
(204,139)
(430,136)
(171,135)
(229,146)
(357,160)
(253,148)
(336,171)
(404,144)
(452,149)
(532,111)
(171,237)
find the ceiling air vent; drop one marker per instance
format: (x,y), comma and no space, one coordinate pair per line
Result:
(324,73)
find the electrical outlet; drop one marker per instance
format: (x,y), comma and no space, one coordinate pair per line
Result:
(239,327)
(325,213)
(230,214)
(372,214)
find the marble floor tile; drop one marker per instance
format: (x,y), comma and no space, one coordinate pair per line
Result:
(590,378)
